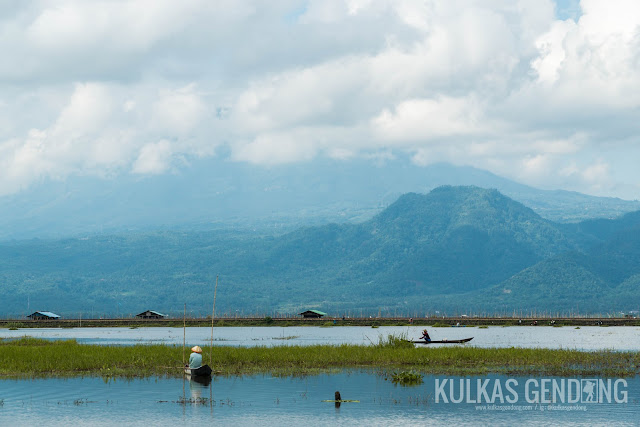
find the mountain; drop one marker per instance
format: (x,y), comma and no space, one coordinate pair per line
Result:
(215,194)
(459,249)
(451,240)
(601,277)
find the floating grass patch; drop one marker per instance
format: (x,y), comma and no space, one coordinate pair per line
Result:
(13,326)
(483,327)
(41,358)
(197,401)
(406,378)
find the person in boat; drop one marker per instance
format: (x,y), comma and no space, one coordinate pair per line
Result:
(425,336)
(195,362)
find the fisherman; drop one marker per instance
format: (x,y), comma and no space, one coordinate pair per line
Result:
(195,360)
(195,363)
(425,336)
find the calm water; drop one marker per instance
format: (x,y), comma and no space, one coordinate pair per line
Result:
(622,338)
(265,400)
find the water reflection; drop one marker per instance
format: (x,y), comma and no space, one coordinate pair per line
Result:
(200,390)
(201,381)
(311,400)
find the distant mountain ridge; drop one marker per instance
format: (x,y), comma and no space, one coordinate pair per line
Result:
(214,194)
(457,249)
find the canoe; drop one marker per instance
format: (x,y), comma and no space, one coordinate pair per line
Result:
(203,371)
(443,341)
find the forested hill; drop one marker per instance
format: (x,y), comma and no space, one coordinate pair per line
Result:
(456,248)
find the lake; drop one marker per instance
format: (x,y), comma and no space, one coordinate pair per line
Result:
(268,400)
(622,338)
(265,400)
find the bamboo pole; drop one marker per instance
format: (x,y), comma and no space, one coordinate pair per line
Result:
(184,331)
(213,314)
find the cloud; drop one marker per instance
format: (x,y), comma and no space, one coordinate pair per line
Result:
(116,87)
(425,120)
(154,158)
(178,111)
(106,129)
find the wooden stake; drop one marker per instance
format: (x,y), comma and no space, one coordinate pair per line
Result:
(184,332)
(213,314)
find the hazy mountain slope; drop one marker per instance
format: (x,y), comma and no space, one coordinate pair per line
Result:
(626,295)
(598,230)
(218,194)
(601,277)
(559,283)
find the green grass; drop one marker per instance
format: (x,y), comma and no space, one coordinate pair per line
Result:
(440,325)
(406,378)
(36,357)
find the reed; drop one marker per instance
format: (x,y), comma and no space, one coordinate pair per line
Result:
(36,357)
(406,378)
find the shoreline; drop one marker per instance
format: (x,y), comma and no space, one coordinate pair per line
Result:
(327,321)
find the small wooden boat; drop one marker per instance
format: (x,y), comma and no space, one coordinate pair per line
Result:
(443,341)
(203,371)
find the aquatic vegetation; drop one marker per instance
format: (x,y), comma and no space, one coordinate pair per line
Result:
(36,358)
(202,401)
(394,341)
(12,326)
(406,378)
(289,337)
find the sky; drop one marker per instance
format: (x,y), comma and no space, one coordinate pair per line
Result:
(545,93)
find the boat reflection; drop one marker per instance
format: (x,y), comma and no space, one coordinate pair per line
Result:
(200,381)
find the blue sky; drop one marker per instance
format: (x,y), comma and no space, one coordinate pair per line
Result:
(544,93)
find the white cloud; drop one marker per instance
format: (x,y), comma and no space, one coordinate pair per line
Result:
(275,148)
(154,158)
(596,173)
(425,120)
(104,129)
(108,87)
(178,111)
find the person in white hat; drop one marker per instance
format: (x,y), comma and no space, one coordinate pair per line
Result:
(196,368)
(195,360)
